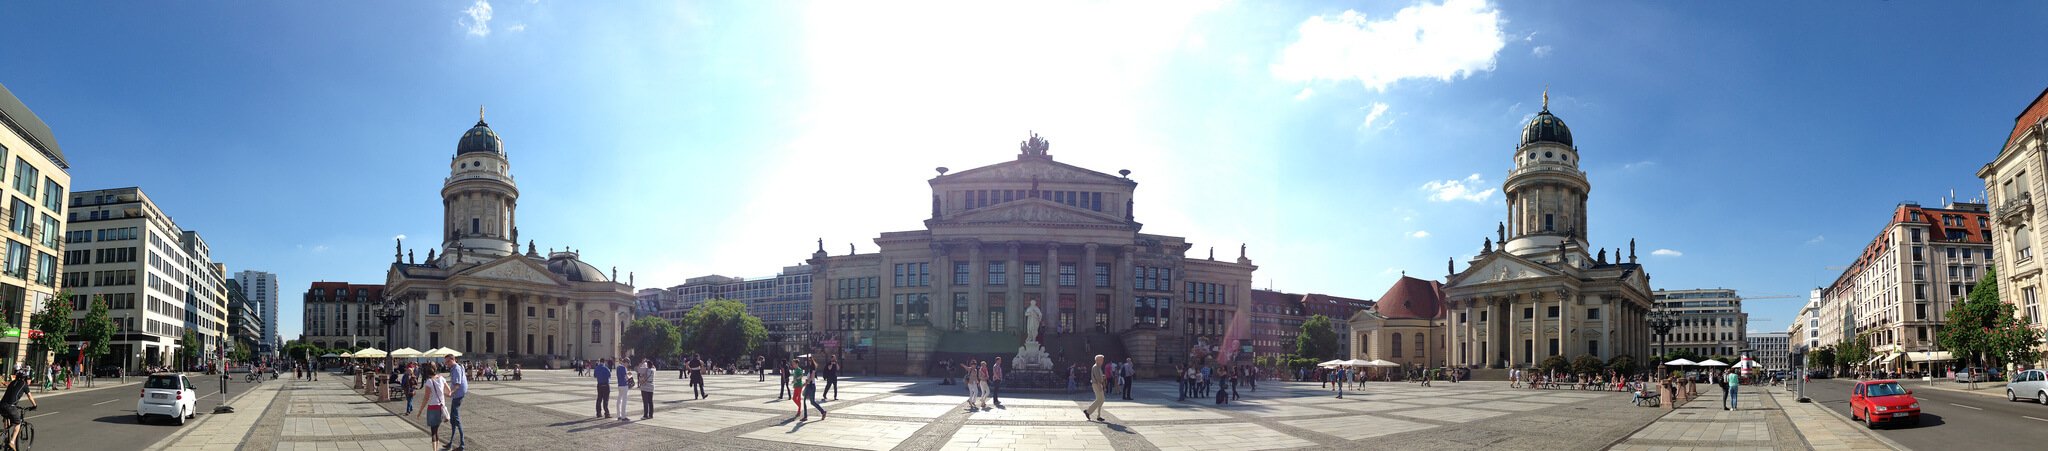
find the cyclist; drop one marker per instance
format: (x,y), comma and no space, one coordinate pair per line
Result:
(16,389)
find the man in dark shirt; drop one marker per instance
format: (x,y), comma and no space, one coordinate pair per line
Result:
(16,389)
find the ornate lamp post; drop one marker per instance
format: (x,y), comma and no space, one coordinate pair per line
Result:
(1661,323)
(389,311)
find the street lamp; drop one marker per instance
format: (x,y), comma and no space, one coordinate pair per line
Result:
(1661,323)
(389,311)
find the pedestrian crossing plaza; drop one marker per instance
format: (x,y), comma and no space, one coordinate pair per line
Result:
(898,413)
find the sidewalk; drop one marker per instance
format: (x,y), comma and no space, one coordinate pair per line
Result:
(1769,419)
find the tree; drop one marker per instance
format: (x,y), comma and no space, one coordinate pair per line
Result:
(651,337)
(97,329)
(1983,327)
(54,320)
(722,331)
(1622,364)
(1318,339)
(1588,364)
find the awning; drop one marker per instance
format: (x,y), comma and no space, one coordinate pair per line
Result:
(1926,356)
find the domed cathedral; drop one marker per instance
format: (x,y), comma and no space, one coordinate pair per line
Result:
(479,295)
(1537,289)
(1029,233)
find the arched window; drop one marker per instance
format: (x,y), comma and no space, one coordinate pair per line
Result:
(1396,348)
(596,331)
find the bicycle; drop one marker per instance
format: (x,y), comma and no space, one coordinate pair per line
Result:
(28,433)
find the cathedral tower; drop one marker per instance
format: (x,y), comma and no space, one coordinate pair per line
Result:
(1546,193)
(479,199)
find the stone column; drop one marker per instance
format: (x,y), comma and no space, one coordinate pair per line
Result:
(1087,282)
(1013,310)
(977,297)
(941,305)
(1120,303)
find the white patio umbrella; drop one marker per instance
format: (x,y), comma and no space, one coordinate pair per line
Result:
(1712,362)
(1680,362)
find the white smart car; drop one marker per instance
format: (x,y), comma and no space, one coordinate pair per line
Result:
(167,395)
(2029,384)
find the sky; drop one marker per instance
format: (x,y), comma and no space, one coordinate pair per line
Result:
(1746,146)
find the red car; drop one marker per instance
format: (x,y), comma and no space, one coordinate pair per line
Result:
(1883,402)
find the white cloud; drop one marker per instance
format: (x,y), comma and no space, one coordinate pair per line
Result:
(1440,41)
(1466,189)
(517,27)
(1419,234)
(1667,253)
(1817,239)
(1378,108)
(1540,51)
(1304,94)
(477,18)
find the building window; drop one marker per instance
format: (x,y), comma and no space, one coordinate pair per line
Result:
(1031,274)
(1067,275)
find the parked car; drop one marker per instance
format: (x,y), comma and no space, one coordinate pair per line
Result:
(167,395)
(107,371)
(1883,401)
(2029,384)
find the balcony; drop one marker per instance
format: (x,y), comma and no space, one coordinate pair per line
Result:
(2015,209)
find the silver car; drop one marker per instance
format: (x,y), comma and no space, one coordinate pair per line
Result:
(2029,384)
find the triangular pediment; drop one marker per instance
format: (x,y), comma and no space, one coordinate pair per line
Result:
(1027,169)
(514,268)
(1035,211)
(1501,267)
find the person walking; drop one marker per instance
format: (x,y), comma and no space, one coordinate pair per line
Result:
(696,367)
(435,390)
(796,375)
(646,389)
(995,382)
(1732,388)
(1126,375)
(1098,380)
(623,372)
(831,378)
(783,387)
(603,370)
(811,391)
(459,386)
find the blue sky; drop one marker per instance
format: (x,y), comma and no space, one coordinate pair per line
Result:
(1343,142)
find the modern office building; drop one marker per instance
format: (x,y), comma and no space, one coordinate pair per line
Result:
(37,180)
(1899,290)
(153,275)
(1537,289)
(261,288)
(478,294)
(1710,322)
(1032,231)
(2011,178)
(1771,349)
(341,315)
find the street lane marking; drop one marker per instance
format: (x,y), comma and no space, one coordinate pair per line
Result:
(2032,418)
(40,416)
(107,401)
(1964,406)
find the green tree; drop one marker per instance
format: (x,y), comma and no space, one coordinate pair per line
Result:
(722,331)
(1982,327)
(1588,364)
(97,329)
(54,320)
(1318,339)
(1622,364)
(651,337)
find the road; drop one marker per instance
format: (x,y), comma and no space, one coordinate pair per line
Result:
(1949,419)
(105,418)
